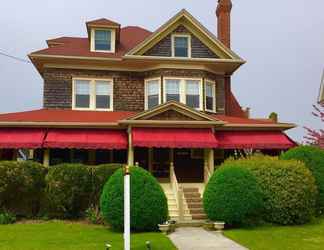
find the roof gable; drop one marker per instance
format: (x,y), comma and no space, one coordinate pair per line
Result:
(185,19)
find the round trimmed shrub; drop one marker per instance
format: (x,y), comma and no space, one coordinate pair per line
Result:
(232,195)
(148,202)
(100,175)
(22,187)
(68,190)
(288,188)
(314,160)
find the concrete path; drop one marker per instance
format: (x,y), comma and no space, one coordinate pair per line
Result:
(191,238)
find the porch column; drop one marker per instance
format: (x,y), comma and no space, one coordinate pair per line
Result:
(130,158)
(30,154)
(46,158)
(211,164)
(208,163)
(150,160)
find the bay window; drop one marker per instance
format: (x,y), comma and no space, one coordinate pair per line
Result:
(152,93)
(92,94)
(210,100)
(187,91)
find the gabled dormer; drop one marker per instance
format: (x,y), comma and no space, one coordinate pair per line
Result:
(104,35)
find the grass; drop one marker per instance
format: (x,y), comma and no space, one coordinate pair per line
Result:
(72,236)
(306,237)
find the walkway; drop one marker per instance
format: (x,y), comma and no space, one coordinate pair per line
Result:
(190,238)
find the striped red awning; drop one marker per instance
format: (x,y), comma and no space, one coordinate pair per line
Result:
(174,138)
(16,138)
(86,139)
(254,140)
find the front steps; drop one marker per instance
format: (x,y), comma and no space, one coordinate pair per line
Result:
(172,204)
(194,203)
(194,214)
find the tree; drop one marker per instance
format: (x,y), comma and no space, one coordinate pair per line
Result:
(316,137)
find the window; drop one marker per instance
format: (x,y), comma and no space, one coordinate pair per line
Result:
(152,93)
(92,94)
(193,93)
(210,102)
(181,45)
(82,93)
(103,40)
(172,90)
(187,91)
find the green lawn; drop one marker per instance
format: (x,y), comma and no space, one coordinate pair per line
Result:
(306,237)
(72,236)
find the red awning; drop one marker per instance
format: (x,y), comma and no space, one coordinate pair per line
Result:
(254,140)
(86,139)
(173,138)
(21,138)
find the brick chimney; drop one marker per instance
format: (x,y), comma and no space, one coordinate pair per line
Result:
(223,13)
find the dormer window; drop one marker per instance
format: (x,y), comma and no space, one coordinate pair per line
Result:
(181,46)
(103,40)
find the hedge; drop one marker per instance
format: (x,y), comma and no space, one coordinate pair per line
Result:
(233,195)
(100,174)
(148,202)
(313,158)
(288,187)
(68,190)
(22,187)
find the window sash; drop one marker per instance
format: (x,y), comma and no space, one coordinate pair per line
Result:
(172,90)
(181,46)
(152,93)
(102,40)
(210,96)
(82,94)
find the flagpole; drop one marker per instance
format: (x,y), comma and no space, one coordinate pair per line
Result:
(127,209)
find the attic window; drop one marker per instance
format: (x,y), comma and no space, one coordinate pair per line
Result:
(181,46)
(103,40)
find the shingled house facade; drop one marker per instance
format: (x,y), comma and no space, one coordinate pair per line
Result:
(161,99)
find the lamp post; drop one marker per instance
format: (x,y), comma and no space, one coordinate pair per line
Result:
(127,208)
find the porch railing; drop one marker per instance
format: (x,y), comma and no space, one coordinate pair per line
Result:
(177,190)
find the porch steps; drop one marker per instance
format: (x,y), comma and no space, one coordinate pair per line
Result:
(194,203)
(172,204)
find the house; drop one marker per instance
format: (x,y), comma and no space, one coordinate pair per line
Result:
(161,99)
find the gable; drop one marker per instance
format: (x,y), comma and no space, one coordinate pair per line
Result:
(205,43)
(198,48)
(171,115)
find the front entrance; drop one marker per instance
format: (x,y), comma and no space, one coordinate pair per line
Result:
(188,163)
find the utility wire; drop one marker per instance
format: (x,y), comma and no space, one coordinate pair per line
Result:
(14,57)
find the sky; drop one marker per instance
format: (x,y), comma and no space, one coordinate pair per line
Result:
(282,42)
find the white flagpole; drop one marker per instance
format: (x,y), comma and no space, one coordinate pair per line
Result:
(127,209)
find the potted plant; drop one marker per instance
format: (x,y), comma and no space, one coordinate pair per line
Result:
(219,226)
(165,227)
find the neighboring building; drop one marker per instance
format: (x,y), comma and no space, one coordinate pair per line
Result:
(321,92)
(125,94)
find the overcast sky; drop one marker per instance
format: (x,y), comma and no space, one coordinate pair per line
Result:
(281,40)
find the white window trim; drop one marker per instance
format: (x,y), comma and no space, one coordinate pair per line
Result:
(92,105)
(173,43)
(113,41)
(183,89)
(213,83)
(146,91)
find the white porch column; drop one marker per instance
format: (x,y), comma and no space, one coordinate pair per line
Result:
(130,157)
(211,163)
(46,158)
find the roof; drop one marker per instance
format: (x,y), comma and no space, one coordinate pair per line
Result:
(102,22)
(57,117)
(130,36)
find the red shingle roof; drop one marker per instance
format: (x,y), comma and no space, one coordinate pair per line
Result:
(56,115)
(130,36)
(103,21)
(74,116)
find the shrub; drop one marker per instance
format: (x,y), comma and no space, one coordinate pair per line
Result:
(288,187)
(68,190)
(93,215)
(22,187)
(314,160)
(7,218)
(232,195)
(100,175)
(148,202)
